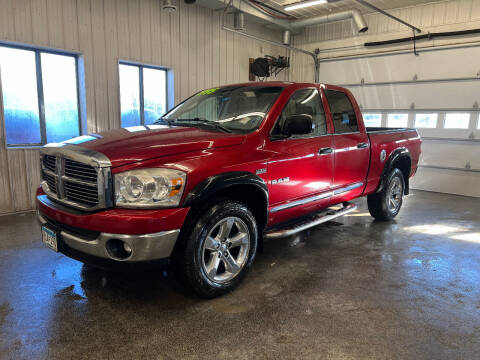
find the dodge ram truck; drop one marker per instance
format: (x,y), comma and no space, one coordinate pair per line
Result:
(225,169)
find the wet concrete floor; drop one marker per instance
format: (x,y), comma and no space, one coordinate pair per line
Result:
(348,289)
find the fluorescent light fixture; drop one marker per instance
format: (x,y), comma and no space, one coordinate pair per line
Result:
(304,4)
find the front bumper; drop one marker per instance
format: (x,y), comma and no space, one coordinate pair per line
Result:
(145,247)
(151,234)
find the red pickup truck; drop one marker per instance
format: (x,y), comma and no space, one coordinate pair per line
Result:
(212,178)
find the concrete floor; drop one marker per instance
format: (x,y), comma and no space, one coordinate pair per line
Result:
(349,289)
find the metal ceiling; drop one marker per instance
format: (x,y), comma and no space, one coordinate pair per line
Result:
(342,5)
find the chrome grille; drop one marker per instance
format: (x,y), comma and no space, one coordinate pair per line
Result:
(81,193)
(81,171)
(49,162)
(50,179)
(80,180)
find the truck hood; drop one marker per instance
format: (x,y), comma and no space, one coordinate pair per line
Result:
(139,143)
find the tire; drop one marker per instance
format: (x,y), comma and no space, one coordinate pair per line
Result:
(220,247)
(386,204)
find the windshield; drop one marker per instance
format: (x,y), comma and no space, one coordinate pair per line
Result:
(231,109)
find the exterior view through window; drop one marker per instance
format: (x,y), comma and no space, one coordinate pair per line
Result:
(308,102)
(143,94)
(343,114)
(397,120)
(426,121)
(372,120)
(457,120)
(231,109)
(40,96)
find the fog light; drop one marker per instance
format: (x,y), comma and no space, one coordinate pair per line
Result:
(118,249)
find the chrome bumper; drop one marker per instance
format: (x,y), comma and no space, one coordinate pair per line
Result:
(145,247)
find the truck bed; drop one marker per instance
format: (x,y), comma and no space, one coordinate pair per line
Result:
(388,140)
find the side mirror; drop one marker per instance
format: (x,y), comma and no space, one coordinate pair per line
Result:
(298,125)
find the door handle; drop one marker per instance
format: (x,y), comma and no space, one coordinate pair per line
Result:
(325,151)
(362,145)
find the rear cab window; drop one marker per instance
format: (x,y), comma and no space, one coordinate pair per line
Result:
(343,113)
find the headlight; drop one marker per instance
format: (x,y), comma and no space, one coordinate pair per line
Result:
(149,188)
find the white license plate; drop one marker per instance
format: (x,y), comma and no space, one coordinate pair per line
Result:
(49,238)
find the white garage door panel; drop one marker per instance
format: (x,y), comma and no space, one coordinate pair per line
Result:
(445,80)
(447,181)
(451,154)
(453,133)
(440,95)
(437,64)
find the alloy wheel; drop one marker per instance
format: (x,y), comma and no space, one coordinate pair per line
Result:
(225,250)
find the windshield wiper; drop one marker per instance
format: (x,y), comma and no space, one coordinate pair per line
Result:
(164,120)
(205,122)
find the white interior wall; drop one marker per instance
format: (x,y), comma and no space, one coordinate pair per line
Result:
(445,76)
(189,41)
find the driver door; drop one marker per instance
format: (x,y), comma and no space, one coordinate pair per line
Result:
(300,173)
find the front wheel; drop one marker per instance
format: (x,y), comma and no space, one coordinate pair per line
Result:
(386,204)
(220,248)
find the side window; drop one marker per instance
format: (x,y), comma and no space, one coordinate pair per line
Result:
(143,94)
(343,113)
(305,101)
(39,95)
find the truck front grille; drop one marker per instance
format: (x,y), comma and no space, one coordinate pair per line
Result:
(81,193)
(76,183)
(50,162)
(50,179)
(81,171)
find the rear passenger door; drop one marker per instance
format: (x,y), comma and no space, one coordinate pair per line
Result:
(352,150)
(301,168)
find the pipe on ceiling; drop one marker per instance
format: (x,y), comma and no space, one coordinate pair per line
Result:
(294,26)
(355,15)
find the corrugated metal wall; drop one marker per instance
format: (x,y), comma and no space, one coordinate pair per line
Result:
(189,41)
(330,38)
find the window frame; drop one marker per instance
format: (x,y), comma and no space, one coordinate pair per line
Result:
(470,118)
(140,67)
(306,136)
(399,112)
(419,113)
(40,96)
(331,113)
(372,113)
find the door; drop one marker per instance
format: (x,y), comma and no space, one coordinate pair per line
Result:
(352,147)
(301,169)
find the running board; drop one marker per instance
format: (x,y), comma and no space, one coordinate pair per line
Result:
(310,222)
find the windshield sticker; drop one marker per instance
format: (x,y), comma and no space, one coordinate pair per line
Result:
(208,91)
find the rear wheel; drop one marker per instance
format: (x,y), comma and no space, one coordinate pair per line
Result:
(220,249)
(386,204)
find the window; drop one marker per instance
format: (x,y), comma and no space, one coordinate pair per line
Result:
(343,114)
(372,120)
(397,120)
(40,96)
(305,101)
(237,109)
(457,120)
(143,94)
(426,121)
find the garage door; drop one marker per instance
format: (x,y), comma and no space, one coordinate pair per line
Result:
(438,92)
